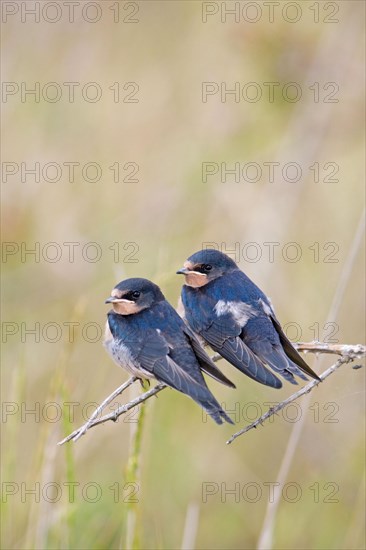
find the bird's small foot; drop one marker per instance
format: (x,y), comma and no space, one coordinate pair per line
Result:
(145,383)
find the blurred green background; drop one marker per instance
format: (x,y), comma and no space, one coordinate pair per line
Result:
(168,50)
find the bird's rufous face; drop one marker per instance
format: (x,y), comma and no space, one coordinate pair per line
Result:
(124,303)
(195,275)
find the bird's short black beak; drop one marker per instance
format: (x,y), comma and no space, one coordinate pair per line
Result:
(110,300)
(182,271)
(115,300)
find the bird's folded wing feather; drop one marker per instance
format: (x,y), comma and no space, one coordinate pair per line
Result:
(290,351)
(224,336)
(150,352)
(207,365)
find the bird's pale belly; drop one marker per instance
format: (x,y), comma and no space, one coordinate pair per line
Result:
(122,356)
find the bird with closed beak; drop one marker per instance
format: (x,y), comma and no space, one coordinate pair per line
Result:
(231,314)
(146,336)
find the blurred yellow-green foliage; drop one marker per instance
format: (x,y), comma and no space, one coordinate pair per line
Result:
(168,53)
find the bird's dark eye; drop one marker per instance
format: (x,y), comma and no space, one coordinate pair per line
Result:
(207,267)
(135,294)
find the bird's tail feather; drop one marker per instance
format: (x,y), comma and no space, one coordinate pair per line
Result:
(216,412)
(292,353)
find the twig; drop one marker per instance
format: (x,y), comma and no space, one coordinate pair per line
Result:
(102,406)
(357,350)
(339,349)
(81,431)
(303,391)
(118,412)
(348,353)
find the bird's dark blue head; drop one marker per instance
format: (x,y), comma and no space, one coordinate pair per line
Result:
(134,295)
(205,266)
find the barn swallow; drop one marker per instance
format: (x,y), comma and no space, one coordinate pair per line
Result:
(225,308)
(145,335)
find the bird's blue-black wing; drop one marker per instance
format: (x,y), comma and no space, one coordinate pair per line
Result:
(224,335)
(151,353)
(206,363)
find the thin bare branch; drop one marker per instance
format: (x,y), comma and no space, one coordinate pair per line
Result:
(102,406)
(357,350)
(339,349)
(348,353)
(81,431)
(114,415)
(294,396)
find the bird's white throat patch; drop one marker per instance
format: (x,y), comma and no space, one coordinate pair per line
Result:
(239,310)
